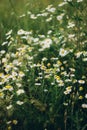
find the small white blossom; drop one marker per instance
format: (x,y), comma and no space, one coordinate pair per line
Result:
(20,102)
(79,1)
(32,16)
(4,60)
(23,15)
(38,84)
(21,32)
(84,59)
(70,25)
(61,4)
(52,10)
(2,51)
(60,17)
(63,52)
(9,107)
(81,81)
(9,33)
(20,91)
(46,43)
(4,43)
(85,95)
(49,19)
(84,105)
(78,54)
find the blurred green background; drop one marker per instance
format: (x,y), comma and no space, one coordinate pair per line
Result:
(10,10)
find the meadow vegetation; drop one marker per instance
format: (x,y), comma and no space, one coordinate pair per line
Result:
(43,65)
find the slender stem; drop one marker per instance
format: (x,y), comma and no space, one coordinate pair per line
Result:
(14,10)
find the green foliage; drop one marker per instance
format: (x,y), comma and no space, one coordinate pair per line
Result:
(43,68)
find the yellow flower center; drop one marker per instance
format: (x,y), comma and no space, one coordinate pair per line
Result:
(14,122)
(1,74)
(80,97)
(8,86)
(1,94)
(81,88)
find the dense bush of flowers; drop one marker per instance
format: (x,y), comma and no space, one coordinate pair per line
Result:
(43,71)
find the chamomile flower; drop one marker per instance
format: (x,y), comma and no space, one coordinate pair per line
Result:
(63,52)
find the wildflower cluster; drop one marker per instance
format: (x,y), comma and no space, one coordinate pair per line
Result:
(45,72)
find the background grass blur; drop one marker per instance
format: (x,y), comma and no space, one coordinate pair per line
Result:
(10,10)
